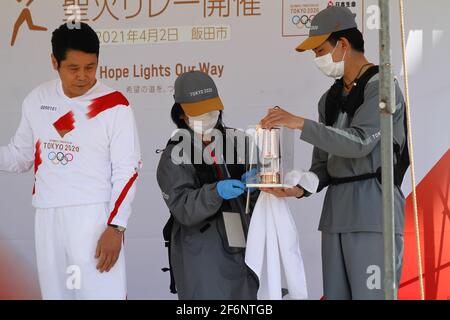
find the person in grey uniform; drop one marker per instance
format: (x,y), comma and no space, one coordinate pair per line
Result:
(346,159)
(199,191)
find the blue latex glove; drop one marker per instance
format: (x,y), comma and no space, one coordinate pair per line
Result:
(248,175)
(230,189)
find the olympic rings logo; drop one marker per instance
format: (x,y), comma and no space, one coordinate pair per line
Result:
(60,158)
(303,21)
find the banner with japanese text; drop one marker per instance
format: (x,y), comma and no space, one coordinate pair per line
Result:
(248,48)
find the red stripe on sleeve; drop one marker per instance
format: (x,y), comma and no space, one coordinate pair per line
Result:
(37,161)
(122,196)
(106,102)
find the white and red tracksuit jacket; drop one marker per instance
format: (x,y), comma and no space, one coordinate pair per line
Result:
(85,150)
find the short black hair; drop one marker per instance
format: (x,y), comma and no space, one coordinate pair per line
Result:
(82,38)
(353,35)
(176,114)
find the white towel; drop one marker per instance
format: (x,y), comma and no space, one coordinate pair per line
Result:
(273,246)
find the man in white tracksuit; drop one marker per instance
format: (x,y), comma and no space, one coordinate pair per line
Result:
(81,137)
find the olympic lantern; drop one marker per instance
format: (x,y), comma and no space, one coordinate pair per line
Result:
(271,153)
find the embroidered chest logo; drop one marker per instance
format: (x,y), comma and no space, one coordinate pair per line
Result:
(61,152)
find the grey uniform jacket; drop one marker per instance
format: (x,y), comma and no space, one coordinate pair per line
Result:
(351,147)
(204,266)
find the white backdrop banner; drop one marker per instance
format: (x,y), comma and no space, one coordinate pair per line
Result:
(247,46)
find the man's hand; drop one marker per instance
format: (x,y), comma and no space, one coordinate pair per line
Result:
(108,249)
(277,117)
(285,192)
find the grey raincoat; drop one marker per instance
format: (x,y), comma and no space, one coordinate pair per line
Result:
(204,266)
(351,147)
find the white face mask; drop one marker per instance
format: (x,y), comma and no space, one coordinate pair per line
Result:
(204,123)
(330,68)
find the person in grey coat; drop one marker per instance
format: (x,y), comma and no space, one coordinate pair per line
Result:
(198,191)
(346,159)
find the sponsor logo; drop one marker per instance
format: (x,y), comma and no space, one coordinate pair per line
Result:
(297,15)
(48,108)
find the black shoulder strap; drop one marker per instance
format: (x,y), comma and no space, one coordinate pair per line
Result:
(402,156)
(333,102)
(336,103)
(167,232)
